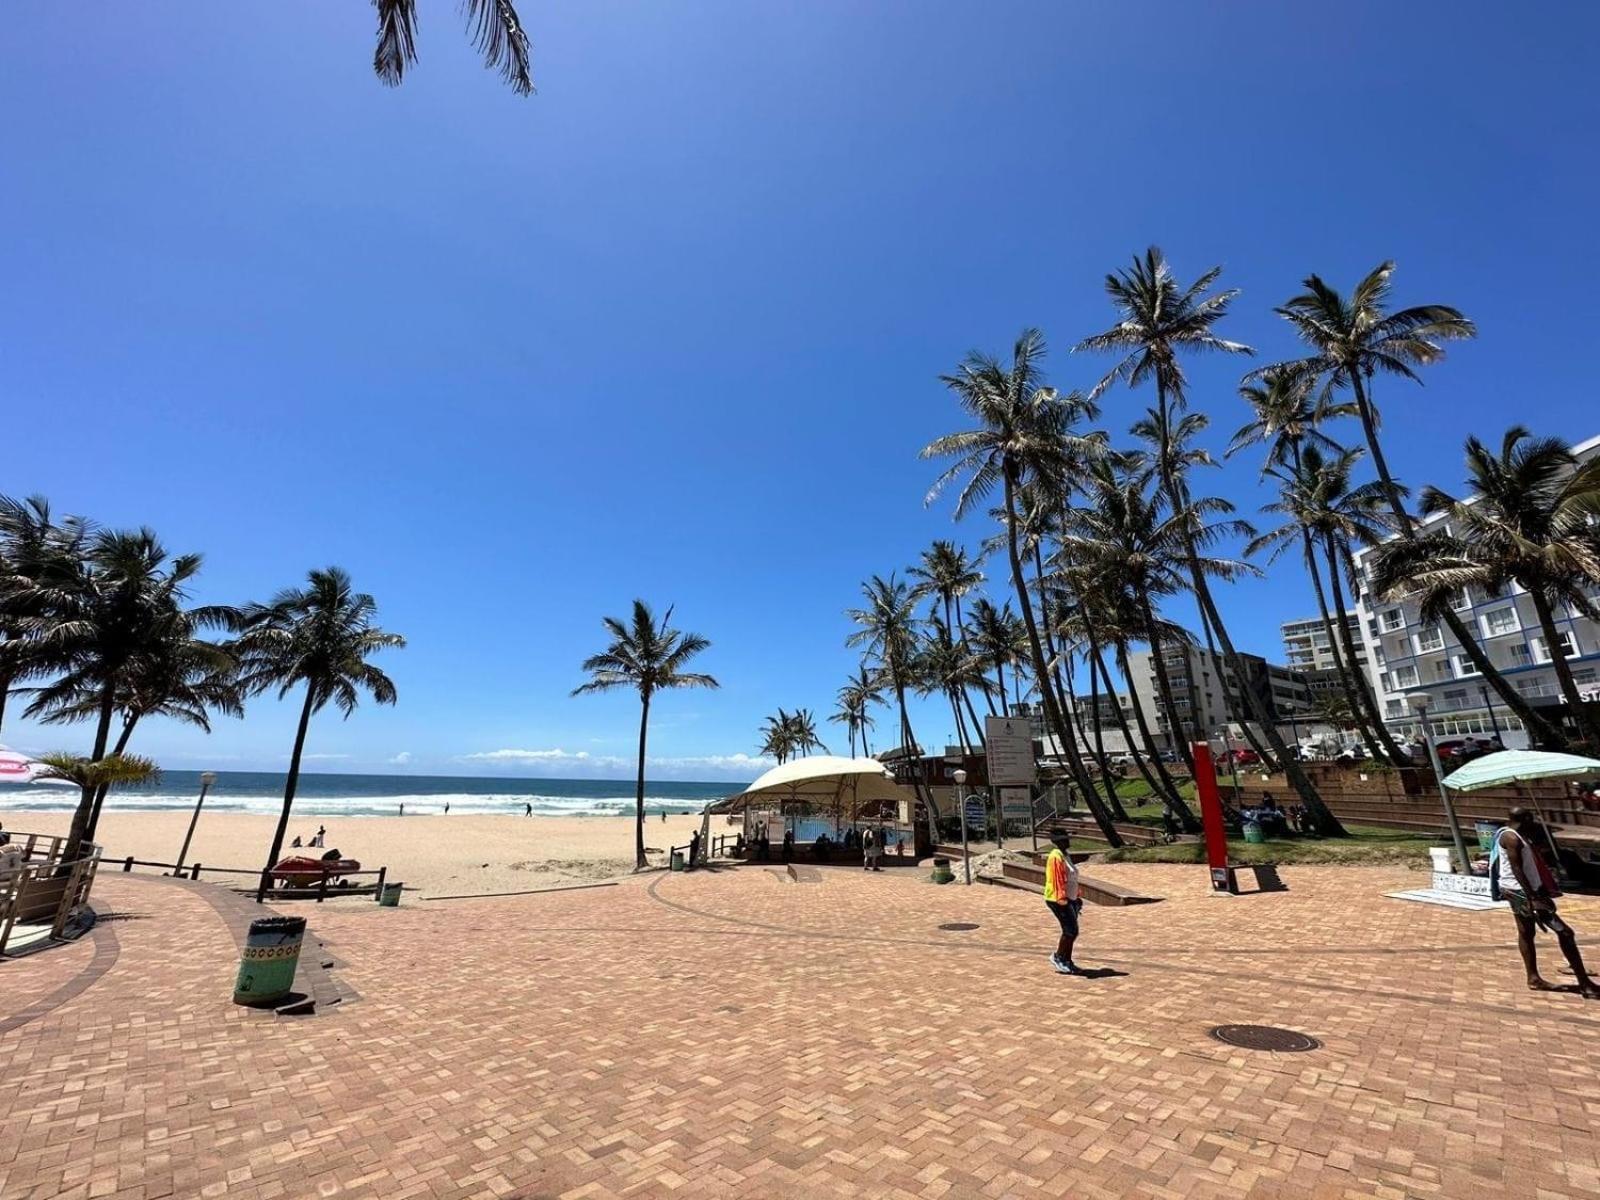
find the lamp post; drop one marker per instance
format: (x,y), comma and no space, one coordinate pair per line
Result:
(1420,702)
(1488,700)
(960,776)
(207,778)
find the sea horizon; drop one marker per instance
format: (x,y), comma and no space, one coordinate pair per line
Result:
(352,794)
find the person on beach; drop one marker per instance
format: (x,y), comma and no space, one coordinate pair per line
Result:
(527,810)
(788,845)
(447,808)
(317,838)
(402,808)
(866,851)
(1527,884)
(694,849)
(1061,897)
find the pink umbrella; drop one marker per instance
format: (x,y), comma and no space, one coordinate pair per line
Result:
(19,768)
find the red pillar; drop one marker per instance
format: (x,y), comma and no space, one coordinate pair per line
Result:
(1205,786)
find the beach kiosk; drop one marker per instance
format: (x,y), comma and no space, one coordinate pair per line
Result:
(826,795)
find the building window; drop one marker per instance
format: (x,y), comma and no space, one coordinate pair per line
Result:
(1393,619)
(1460,598)
(1382,658)
(1587,675)
(1456,698)
(1405,677)
(1465,666)
(1568,643)
(1501,620)
(1394,708)
(1429,638)
(1521,656)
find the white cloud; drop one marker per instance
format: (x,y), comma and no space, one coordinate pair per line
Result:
(716,762)
(401,759)
(516,756)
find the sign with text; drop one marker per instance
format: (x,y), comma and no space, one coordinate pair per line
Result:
(1008,743)
(1016,804)
(977,813)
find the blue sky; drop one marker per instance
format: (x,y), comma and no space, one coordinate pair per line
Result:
(672,327)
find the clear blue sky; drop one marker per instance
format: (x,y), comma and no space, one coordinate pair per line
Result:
(672,327)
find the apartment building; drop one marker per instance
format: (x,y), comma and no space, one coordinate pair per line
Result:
(1306,649)
(1406,657)
(1207,696)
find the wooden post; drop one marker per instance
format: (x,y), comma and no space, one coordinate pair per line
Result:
(322,888)
(378,893)
(127,863)
(266,883)
(194,872)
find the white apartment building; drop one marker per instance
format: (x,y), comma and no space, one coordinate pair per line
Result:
(1306,649)
(1405,656)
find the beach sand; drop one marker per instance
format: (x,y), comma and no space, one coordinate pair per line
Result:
(437,855)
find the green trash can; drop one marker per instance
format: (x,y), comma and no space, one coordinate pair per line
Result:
(1486,832)
(390,896)
(942,872)
(271,953)
(677,860)
(1252,832)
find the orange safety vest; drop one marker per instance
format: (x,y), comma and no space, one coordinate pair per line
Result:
(1055,878)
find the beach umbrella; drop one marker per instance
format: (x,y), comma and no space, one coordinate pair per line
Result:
(16,767)
(1518,766)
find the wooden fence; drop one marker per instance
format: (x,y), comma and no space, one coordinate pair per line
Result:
(37,883)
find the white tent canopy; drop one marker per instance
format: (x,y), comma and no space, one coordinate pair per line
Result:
(826,780)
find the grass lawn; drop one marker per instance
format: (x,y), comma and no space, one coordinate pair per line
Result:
(1367,844)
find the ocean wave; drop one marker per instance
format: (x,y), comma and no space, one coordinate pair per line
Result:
(50,799)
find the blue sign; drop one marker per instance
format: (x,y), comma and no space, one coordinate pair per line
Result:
(977,813)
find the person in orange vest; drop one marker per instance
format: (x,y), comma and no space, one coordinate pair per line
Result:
(1061,897)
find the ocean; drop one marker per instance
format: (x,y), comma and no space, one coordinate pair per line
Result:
(382,795)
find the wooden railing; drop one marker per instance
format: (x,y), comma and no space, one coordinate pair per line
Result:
(264,878)
(37,882)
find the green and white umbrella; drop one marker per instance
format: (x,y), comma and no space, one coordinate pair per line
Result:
(1518,766)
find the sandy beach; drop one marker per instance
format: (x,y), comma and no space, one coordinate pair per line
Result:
(436,855)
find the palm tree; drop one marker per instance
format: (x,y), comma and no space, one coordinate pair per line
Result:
(887,630)
(496,33)
(777,737)
(998,637)
(1352,341)
(88,610)
(945,665)
(1529,522)
(1025,430)
(27,535)
(1327,514)
(1159,320)
(946,573)
(318,637)
(114,770)
(649,658)
(855,699)
(804,722)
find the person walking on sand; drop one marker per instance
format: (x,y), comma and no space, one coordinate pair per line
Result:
(447,808)
(527,810)
(1061,897)
(1527,884)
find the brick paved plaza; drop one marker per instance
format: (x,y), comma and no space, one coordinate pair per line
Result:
(737,1034)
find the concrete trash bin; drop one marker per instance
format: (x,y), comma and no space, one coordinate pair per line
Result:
(1252,832)
(677,860)
(271,953)
(390,896)
(942,872)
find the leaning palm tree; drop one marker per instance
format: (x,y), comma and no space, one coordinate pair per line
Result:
(114,770)
(1354,339)
(1025,430)
(1159,321)
(1327,516)
(855,699)
(648,657)
(496,32)
(998,637)
(887,631)
(804,723)
(318,638)
(1530,522)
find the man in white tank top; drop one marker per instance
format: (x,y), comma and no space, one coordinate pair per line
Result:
(1522,880)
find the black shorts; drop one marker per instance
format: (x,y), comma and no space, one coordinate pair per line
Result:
(1067,914)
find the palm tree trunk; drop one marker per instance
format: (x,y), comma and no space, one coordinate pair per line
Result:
(1041,670)
(1352,687)
(977,725)
(1538,728)
(100,792)
(639,860)
(79,831)
(1097,667)
(1169,787)
(1569,688)
(289,788)
(1098,746)
(1158,659)
(5,693)
(1361,701)
(1000,681)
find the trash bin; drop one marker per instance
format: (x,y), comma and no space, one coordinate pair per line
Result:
(942,872)
(1441,859)
(1486,832)
(677,860)
(1252,832)
(390,896)
(271,953)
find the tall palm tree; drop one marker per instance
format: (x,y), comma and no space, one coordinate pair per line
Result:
(1328,515)
(1352,341)
(777,737)
(945,666)
(804,723)
(1159,321)
(887,631)
(856,698)
(319,638)
(496,33)
(1529,521)
(649,657)
(27,535)
(87,612)
(1025,429)
(998,637)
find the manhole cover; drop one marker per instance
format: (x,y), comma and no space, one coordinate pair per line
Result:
(958,926)
(1265,1037)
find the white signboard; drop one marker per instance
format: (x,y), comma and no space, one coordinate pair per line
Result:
(1009,745)
(1015,804)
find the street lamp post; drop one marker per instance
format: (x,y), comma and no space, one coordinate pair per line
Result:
(960,776)
(207,778)
(1494,724)
(1420,702)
